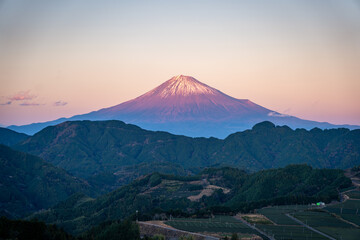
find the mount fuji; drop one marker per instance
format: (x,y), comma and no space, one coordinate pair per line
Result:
(186,106)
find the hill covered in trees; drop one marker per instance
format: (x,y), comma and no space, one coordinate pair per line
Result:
(108,153)
(224,190)
(35,230)
(9,137)
(28,183)
(31,230)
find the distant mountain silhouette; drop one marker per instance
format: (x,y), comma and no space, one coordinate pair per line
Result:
(183,105)
(104,152)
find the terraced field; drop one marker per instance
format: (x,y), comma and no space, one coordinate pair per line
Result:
(290,232)
(341,234)
(319,219)
(277,213)
(349,210)
(354,194)
(286,228)
(225,224)
(329,224)
(326,220)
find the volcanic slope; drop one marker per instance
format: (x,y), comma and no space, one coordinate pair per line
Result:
(183,105)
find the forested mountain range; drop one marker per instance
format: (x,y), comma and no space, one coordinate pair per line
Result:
(9,137)
(213,191)
(28,183)
(109,152)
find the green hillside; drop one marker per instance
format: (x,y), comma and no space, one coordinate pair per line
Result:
(102,151)
(294,183)
(214,190)
(9,137)
(28,183)
(30,230)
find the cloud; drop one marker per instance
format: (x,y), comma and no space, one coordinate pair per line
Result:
(60,103)
(29,104)
(275,114)
(23,95)
(6,103)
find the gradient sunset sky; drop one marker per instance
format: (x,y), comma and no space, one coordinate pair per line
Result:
(62,58)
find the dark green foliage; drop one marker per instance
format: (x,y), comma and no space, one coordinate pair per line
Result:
(290,185)
(29,183)
(9,137)
(155,180)
(115,230)
(226,176)
(292,180)
(97,150)
(80,212)
(234,236)
(158,193)
(30,230)
(355,168)
(191,187)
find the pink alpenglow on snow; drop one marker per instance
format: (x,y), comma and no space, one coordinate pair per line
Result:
(186,106)
(183,98)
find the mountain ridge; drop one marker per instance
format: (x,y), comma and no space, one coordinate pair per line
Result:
(185,106)
(98,150)
(29,183)
(10,137)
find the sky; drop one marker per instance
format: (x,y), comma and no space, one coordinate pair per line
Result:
(62,58)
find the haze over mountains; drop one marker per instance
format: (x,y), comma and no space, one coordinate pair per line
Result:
(184,105)
(111,153)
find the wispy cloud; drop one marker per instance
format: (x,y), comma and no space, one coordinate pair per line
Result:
(23,95)
(60,103)
(29,104)
(275,114)
(23,98)
(6,103)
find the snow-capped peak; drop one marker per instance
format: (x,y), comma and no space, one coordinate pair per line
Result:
(185,86)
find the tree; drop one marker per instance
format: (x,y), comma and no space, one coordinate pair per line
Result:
(234,236)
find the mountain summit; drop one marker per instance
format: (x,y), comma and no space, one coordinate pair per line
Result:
(186,106)
(183,98)
(184,86)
